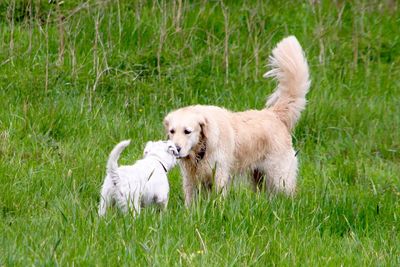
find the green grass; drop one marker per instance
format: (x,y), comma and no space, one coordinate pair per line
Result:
(61,116)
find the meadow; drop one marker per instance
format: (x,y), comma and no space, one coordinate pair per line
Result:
(76,77)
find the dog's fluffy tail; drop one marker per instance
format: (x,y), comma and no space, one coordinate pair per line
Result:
(112,163)
(290,68)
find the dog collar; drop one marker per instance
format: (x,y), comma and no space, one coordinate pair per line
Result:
(165,169)
(202,153)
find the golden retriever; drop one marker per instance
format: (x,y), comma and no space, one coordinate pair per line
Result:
(213,143)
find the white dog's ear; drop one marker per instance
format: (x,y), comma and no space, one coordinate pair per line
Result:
(172,148)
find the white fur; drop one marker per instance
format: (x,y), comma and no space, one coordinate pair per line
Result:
(253,140)
(143,183)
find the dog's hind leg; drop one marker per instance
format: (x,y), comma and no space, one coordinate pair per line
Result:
(105,196)
(102,206)
(258,178)
(281,171)
(134,203)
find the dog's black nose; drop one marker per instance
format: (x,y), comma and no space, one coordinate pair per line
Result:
(178,148)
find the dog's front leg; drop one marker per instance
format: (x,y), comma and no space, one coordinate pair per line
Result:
(222,180)
(102,206)
(189,188)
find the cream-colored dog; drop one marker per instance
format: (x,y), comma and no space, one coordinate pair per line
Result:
(213,142)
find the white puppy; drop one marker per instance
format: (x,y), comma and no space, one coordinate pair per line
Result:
(143,183)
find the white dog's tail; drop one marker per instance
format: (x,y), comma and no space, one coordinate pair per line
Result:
(112,163)
(290,68)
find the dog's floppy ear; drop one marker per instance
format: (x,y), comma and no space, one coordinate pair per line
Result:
(166,123)
(172,148)
(204,125)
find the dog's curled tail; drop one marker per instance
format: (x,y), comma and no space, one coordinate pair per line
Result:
(112,163)
(290,68)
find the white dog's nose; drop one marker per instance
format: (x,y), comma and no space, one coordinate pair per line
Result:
(178,148)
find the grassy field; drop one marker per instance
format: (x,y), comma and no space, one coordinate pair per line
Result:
(78,77)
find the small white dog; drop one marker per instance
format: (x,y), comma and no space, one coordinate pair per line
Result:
(141,184)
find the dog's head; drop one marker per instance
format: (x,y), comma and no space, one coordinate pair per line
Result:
(164,150)
(185,128)
(160,148)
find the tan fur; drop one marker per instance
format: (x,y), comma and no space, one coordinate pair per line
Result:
(256,140)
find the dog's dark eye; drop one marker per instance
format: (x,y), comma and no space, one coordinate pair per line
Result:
(187,131)
(172,131)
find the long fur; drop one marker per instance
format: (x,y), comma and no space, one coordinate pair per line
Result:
(290,68)
(214,143)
